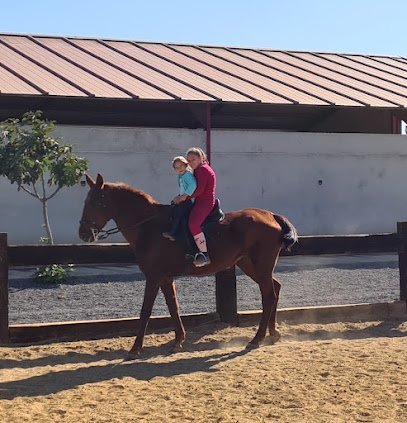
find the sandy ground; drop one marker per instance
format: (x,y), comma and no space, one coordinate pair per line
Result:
(338,372)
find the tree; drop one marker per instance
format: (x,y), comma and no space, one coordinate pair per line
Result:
(37,161)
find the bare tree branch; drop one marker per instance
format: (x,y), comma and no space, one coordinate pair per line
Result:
(28,191)
(43,187)
(48,198)
(35,191)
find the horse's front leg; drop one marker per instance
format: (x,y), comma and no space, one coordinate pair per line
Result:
(150,294)
(170,295)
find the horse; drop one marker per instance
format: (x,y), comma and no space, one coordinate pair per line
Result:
(251,239)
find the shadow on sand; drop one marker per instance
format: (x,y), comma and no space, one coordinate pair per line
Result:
(54,382)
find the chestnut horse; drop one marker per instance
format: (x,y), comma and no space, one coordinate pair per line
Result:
(250,238)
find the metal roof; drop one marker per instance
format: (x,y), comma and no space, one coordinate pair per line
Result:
(99,68)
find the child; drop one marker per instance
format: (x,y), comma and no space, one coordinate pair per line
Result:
(187,185)
(204,196)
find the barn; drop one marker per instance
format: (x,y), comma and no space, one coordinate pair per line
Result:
(315,136)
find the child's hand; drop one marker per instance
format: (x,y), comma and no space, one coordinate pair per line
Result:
(180,198)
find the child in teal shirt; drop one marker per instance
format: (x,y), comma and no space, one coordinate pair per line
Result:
(182,202)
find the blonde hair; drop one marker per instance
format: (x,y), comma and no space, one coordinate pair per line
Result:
(197,152)
(181,159)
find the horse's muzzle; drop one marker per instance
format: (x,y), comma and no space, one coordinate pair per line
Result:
(87,233)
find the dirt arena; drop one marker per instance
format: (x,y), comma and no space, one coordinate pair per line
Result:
(338,372)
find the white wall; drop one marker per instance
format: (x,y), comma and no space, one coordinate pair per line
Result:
(139,156)
(362,177)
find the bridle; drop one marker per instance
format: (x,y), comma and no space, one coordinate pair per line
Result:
(99,234)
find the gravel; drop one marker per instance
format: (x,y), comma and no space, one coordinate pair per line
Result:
(108,292)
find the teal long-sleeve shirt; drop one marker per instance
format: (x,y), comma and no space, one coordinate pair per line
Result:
(186,183)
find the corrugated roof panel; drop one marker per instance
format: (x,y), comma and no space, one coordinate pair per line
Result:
(201,84)
(338,93)
(223,74)
(291,79)
(220,57)
(395,65)
(11,84)
(39,76)
(147,72)
(106,72)
(365,68)
(343,84)
(365,82)
(69,71)
(195,76)
(372,63)
(82,67)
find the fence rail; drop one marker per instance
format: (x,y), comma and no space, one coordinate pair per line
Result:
(33,255)
(226,303)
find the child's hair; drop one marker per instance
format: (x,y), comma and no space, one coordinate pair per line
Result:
(198,152)
(181,159)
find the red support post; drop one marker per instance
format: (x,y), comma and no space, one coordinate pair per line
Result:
(395,125)
(208,131)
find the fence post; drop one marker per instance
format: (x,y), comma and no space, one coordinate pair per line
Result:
(226,296)
(402,251)
(4,328)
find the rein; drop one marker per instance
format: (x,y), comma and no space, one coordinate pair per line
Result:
(103,234)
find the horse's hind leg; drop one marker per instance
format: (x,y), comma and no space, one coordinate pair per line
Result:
(268,299)
(269,288)
(172,303)
(274,333)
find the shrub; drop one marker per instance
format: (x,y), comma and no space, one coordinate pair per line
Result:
(53,273)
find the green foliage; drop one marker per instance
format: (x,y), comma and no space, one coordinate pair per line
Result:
(53,273)
(28,152)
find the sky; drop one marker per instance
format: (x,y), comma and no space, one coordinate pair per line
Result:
(345,26)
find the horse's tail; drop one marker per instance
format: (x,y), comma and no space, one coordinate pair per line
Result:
(289,234)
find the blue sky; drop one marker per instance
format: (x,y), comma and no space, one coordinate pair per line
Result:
(346,26)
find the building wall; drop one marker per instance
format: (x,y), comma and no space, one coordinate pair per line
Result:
(139,156)
(324,183)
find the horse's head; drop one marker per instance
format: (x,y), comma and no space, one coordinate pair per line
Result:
(97,211)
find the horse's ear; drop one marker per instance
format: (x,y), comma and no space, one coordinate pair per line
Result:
(89,180)
(99,181)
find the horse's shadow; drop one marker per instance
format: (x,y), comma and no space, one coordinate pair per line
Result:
(145,369)
(54,382)
(194,342)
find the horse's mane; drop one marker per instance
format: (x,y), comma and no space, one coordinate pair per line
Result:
(127,189)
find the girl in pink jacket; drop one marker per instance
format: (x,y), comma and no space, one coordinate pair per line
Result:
(204,196)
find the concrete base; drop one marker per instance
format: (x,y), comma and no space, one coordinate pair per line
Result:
(331,314)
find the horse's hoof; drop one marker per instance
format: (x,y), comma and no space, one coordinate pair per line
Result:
(132,355)
(252,345)
(274,337)
(177,348)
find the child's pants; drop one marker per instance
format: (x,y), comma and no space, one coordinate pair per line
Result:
(180,211)
(199,213)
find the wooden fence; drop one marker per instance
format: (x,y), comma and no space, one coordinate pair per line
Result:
(226,298)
